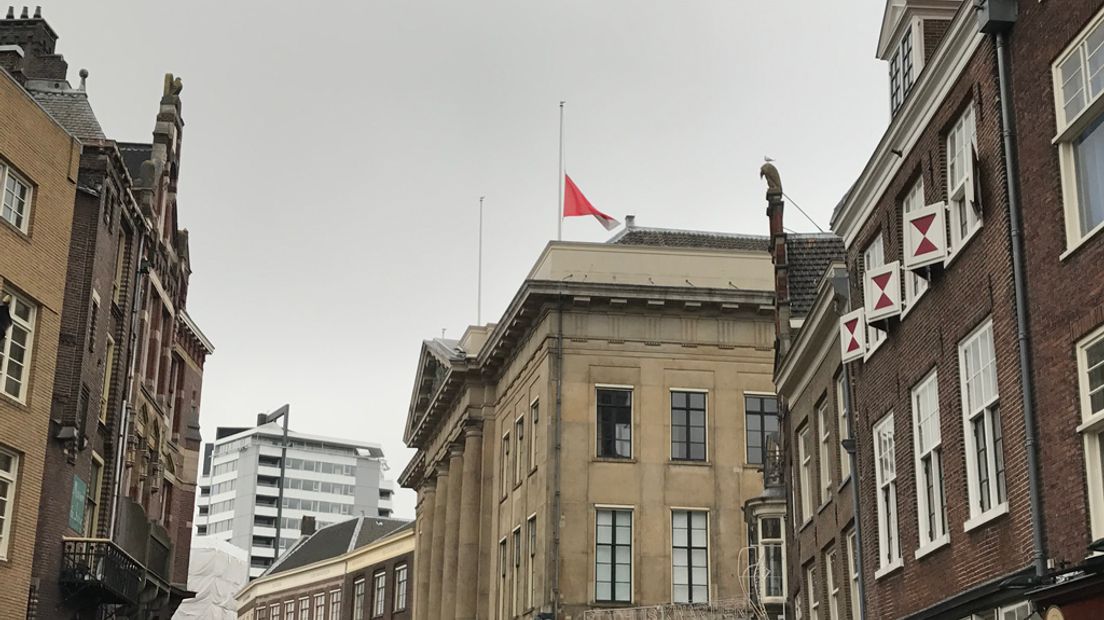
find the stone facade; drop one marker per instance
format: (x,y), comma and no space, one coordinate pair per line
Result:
(511,475)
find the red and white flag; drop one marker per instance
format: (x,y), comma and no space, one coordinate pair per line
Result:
(575,204)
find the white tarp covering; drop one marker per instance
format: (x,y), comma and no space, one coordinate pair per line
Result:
(218,570)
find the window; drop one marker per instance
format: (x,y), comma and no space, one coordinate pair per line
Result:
(92,497)
(319,607)
(929,462)
(761,416)
(503,559)
(120,271)
(613,556)
(772,559)
(517,571)
(9,470)
(274,611)
(833,587)
(289,610)
(358,599)
(688,426)
(853,571)
(981,420)
(105,391)
(965,216)
(614,423)
(335,604)
(1019,611)
(531,567)
(534,417)
(304,608)
(690,556)
(889,547)
(17,198)
(15,350)
(811,586)
(1078,83)
(901,72)
(1090,372)
(844,426)
(519,452)
(873,257)
(915,284)
(805,462)
(93,315)
(825,462)
(505,465)
(379,594)
(400,587)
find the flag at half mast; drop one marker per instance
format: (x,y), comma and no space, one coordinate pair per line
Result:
(576,204)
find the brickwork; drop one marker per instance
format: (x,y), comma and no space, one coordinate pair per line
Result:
(34,266)
(1065,294)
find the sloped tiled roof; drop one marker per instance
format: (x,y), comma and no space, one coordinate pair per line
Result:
(666,237)
(72,111)
(337,539)
(807,256)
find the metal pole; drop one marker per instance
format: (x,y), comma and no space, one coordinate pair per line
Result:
(280,484)
(559,206)
(479,277)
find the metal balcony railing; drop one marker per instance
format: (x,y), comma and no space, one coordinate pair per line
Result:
(99,568)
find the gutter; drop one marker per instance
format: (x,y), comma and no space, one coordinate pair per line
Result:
(1015,233)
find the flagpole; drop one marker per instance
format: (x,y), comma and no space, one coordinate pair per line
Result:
(479,277)
(559,206)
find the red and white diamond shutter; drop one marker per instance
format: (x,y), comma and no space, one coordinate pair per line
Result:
(853,335)
(883,292)
(925,236)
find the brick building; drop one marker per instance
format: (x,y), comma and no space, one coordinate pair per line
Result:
(38,178)
(356,569)
(121,454)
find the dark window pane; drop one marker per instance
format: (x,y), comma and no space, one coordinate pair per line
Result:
(614,423)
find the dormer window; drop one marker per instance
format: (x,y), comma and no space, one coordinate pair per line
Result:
(901,72)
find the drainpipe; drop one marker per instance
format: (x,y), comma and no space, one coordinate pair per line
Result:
(558,423)
(996,18)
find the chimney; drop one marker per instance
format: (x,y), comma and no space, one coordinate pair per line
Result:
(261,419)
(307,526)
(37,39)
(777,249)
(630,222)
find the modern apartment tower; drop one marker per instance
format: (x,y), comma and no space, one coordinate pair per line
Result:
(327,478)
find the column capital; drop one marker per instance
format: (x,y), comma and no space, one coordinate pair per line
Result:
(456,450)
(473,430)
(442,469)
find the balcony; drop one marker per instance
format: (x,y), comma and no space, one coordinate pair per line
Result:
(100,570)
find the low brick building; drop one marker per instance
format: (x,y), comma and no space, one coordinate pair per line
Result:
(38,179)
(353,570)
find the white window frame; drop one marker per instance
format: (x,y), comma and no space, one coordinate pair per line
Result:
(928,458)
(853,572)
(915,284)
(811,581)
(1092,431)
(531,559)
(534,418)
(825,453)
(359,587)
(503,569)
(319,606)
(1071,127)
(844,425)
(885,464)
(804,463)
(985,412)
(506,449)
(379,595)
(833,585)
(520,471)
(27,324)
(1016,611)
(399,599)
(761,555)
(8,213)
(304,608)
(961,143)
(335,604)
(690,514)
(9,477)
(873,257)
(632,421)
(515,540)
(632,550)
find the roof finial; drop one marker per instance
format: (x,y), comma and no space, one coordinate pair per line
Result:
(11,12)
(770,173)
(23,15)
(83,77)
(38,12)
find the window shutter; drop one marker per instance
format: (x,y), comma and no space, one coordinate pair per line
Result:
(883,286)
(925,236)
(973,185)
(852,335)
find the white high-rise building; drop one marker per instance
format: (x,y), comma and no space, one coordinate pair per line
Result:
(327,478)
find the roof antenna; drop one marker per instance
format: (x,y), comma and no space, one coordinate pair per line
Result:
(442,333)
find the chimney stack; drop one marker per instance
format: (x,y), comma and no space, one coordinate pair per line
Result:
(307,526)
(261,419)
(630,221)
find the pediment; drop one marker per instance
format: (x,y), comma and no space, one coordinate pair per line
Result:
(436,363)
(899,13)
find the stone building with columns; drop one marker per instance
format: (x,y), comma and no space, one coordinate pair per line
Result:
(593,448)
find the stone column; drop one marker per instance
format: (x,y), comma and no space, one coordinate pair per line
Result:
(467,564)
(436,555)
(452,532)
(424,549)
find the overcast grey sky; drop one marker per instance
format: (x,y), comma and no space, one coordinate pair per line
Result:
(334,154)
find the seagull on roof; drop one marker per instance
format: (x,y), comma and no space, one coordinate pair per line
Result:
(768,158)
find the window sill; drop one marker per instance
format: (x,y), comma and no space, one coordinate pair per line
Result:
(871,351)
(531,472)
(933,546)
(821,507)
(985,517)
(517,485)
(911,303)
(25,235)
(690,462)
(805,523)
(889,568)
(612,459)
(962,245)
(15,401)
(843,484)
(1077,245)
